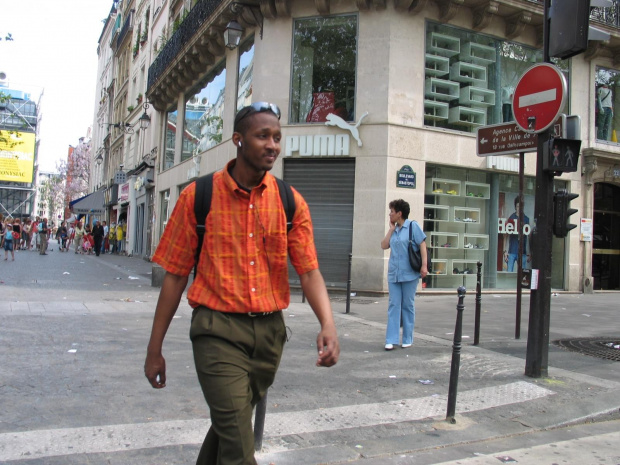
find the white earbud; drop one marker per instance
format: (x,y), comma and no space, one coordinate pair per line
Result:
(239,144)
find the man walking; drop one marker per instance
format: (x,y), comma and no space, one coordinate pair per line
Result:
(98,235)
(43,231)
(241,286)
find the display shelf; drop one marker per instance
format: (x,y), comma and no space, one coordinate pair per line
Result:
(468,73)
(441,89)
(439,267)
(437,213)
(477,96)
(443,45)
(475,241)
(448,187)
(444,240)
(478,53)
(464,267)
(477,190)
(435,110)
(436,65)
(466,215)
(466,116)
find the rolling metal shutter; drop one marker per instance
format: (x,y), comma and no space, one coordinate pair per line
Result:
(328,186)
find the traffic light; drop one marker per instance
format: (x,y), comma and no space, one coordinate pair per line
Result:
(561,212)
(569,26)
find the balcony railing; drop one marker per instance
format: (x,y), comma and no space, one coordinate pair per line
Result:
(127,27)
(607,16)
(201,12)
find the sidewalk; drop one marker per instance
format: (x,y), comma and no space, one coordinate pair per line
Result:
(93,405)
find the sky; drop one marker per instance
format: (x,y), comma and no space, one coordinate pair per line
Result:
(54,54)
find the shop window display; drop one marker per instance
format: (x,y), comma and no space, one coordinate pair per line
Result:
(471,216)
(203,115)
(470,78)
(607,82)
(324,66)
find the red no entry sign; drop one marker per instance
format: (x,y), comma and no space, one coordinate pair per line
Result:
(539,97)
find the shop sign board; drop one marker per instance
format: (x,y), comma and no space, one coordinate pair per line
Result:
(509,138)
(539,97)
(405,177)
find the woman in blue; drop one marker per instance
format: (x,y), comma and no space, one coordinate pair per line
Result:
(402,279)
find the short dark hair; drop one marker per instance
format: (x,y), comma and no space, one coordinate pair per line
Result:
(400,205)
(517,201)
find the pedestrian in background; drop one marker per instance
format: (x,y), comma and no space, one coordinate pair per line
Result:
(17,234)
(112,238)
(402,279)
(8,242)
(238,331)
(26,231)
(62,237)
(78,236)
(98,235)
(119,237)
(105,245)
(34,242)
(43,233)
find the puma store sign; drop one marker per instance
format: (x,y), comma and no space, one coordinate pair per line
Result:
(325,145)
(317,146)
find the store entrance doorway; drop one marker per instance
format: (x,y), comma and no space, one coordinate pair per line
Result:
(606,240)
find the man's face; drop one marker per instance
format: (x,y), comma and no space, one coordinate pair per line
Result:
(261,142)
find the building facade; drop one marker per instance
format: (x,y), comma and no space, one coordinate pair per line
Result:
(380,100)
(18,151)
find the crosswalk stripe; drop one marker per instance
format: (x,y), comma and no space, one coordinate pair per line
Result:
(116,438)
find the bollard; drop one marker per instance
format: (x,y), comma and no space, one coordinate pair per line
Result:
(456,357)
(259,423)
(478,302)
(303,297)
(349,285)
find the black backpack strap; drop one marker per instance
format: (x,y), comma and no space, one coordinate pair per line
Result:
(202,205)
(288,202)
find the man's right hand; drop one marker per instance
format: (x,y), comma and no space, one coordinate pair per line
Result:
(155,370)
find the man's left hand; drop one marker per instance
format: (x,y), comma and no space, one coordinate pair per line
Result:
(328,347)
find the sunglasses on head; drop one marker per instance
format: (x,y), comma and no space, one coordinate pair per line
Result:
(257,107)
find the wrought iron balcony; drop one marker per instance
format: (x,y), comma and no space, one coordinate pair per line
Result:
(127,27)
(201,12)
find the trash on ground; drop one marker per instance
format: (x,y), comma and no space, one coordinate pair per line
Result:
(426,381)
(392,376)
(506,459)
(585,314)
(72,351)
(133,277)
(66,272)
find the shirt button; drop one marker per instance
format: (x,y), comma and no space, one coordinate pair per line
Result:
(251,234)
(252,263)
(253,289)
(251,205)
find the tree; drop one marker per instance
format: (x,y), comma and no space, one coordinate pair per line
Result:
(74,173)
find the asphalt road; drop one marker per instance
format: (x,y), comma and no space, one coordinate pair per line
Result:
(73,335)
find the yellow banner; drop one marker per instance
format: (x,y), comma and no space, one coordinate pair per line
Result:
(16,156)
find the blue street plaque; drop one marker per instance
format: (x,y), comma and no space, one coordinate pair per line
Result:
(405,177)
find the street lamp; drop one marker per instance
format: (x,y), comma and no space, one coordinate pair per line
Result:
(232,34)
(144,120)
(99,159)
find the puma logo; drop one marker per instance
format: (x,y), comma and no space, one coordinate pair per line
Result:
(335,120)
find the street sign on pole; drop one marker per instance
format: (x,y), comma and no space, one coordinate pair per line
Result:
(539,98)
(509,138)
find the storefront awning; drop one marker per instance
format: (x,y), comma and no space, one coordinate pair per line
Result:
(92,203)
